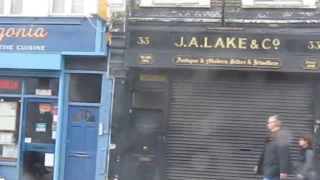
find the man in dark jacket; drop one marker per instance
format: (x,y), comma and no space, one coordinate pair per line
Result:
(275,162)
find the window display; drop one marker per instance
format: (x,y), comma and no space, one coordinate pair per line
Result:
(40,118)
(9,127)
(40,124)
(42,86)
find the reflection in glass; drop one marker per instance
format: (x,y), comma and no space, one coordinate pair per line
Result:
(147,99)
(35,167)
(39,120)
(84,115)
(32,84)
(85,88)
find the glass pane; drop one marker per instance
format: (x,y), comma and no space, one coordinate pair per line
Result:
(35,166)
(2,6)
(78,116)
(9,127)
(77,6)
(82,63)
(147,99)
(85,88)
(58,6)
(16,6)
(39,122)
(89,117)
(84,115)
(42,86)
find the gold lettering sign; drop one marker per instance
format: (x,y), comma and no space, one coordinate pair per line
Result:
(313,45)
(143,40)
(150,77)
(146,59)
(22,32)
(310,64)
(145,158)
(235,62)
(227,43)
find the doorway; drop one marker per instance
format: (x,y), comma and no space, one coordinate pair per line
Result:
(82,138)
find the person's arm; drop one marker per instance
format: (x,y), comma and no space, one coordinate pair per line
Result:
(284,158)
(284,153)
(307,166)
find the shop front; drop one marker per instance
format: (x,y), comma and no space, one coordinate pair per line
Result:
(199,100)
(53,98)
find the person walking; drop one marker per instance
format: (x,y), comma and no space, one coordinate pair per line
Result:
(275,161)
(304,167)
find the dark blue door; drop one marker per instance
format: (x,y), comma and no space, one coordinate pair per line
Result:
(81,143)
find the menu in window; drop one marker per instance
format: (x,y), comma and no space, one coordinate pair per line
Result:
(8,116)
(6,138)
(9,151)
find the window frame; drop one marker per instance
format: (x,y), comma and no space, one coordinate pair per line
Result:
(7,11)
(308,4)
(200,4)
(68,9)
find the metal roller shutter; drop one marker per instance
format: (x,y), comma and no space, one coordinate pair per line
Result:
(216,128)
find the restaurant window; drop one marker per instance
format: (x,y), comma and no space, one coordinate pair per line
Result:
(40,123)
(85,88)
(42,86)
(9,128)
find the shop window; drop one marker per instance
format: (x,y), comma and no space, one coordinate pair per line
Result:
(42,86)
(148,99)
(85,88)
(9,128)
(40,123)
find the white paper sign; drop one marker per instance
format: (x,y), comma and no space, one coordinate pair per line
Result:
(9,151)
(55,118)
(54,135)
(27,140)
(8,111)
(44,92)
(6,138)
(49,159)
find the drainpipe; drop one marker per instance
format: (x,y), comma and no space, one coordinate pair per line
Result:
(223,12)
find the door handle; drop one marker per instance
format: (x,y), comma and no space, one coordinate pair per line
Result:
(81,154)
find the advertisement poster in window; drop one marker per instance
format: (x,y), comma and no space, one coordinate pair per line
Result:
(8,111)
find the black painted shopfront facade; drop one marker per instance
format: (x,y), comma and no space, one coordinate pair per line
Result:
(198,98)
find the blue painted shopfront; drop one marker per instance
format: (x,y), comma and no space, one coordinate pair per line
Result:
(55,99)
